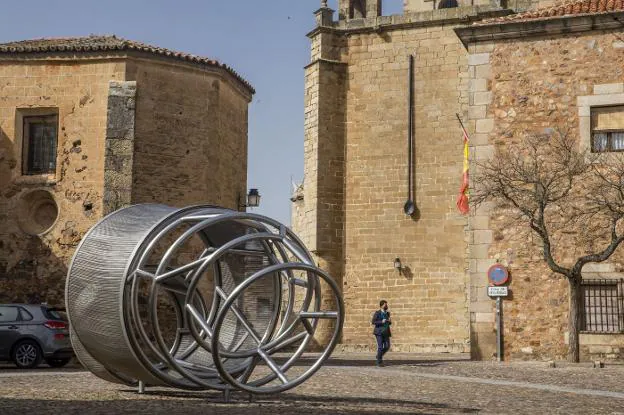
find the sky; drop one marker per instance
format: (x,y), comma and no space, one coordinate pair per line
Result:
(264,41)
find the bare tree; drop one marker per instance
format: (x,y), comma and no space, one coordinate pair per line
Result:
(572,199)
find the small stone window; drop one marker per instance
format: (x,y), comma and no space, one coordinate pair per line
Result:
(607,129)
(40,138)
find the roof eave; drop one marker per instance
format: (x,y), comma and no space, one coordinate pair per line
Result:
(119,53)
(539,27)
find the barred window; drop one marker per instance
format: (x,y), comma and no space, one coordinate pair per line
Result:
(607,124)
(40,141)
(603,306)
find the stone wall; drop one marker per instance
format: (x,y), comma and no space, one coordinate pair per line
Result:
(191,135)
(356,178)
(602,347)
(33,266)
(358,78)
(410,6)
(428,299)
(119,148)
(130,130)
(533,86)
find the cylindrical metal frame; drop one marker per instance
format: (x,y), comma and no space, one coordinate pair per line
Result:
(255,304)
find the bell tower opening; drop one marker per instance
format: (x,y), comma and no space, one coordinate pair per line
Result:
(358,9)
(447,4)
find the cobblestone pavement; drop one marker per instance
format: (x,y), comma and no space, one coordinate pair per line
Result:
(346,385)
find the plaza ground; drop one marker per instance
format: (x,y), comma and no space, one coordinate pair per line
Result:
(348,384)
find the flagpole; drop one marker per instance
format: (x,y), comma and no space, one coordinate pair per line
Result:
(461,123)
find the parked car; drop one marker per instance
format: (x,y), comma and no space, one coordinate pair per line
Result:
(30,333)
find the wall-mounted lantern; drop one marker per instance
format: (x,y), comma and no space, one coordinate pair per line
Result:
(253,199)
(397,264)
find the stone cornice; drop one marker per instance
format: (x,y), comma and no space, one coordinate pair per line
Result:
(321,60)
(540,27)
(459,15)
(14,53)
(244,89)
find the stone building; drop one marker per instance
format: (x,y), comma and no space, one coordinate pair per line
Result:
(88,125)
(506,68)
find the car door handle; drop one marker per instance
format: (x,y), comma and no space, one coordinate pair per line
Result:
(13,327)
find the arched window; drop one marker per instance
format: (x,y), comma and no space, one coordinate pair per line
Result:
(447,4)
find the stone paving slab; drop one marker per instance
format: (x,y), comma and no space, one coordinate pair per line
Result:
(344,386)
(609,378)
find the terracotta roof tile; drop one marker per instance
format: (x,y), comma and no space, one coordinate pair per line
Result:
(567,8)
(108,43)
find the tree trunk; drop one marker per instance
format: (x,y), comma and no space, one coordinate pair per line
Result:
(575,319)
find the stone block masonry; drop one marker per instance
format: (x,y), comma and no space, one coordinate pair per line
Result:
(132,127)
(428,301)
(33,267)
(350,210)
(534,87)
(191,136)
(355,181)
(119,147)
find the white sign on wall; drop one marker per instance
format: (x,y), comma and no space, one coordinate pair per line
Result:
(498,291)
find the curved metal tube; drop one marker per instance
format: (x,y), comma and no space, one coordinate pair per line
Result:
(196,298)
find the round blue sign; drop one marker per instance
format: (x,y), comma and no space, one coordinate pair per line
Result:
(497,274)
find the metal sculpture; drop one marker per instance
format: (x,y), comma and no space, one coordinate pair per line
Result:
(199,298)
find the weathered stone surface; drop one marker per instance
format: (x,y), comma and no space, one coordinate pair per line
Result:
(502,90)
(190,137)
(355,182)
(129,131)
(33,268)
(616,88)
(478,59)
(547,83)
(119,145)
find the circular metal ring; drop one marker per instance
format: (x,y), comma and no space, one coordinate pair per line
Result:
(195,298)
(280,372)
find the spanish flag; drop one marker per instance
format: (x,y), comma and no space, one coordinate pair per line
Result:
(462,198)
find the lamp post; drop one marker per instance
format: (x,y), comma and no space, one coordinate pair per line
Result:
(253,199)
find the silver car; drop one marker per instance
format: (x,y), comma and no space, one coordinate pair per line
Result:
(31,333)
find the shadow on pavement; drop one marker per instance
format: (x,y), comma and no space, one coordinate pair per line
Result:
(316,404)
(173,402)
(39,370)
(371,362)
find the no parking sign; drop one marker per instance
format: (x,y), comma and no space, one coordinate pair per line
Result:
(498,274)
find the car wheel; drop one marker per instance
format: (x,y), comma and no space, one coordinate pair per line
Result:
(27,354)
(57,362)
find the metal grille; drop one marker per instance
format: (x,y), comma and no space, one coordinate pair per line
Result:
(40,139)
(603,306)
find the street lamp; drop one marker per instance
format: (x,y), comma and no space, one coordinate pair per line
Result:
(253,199)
